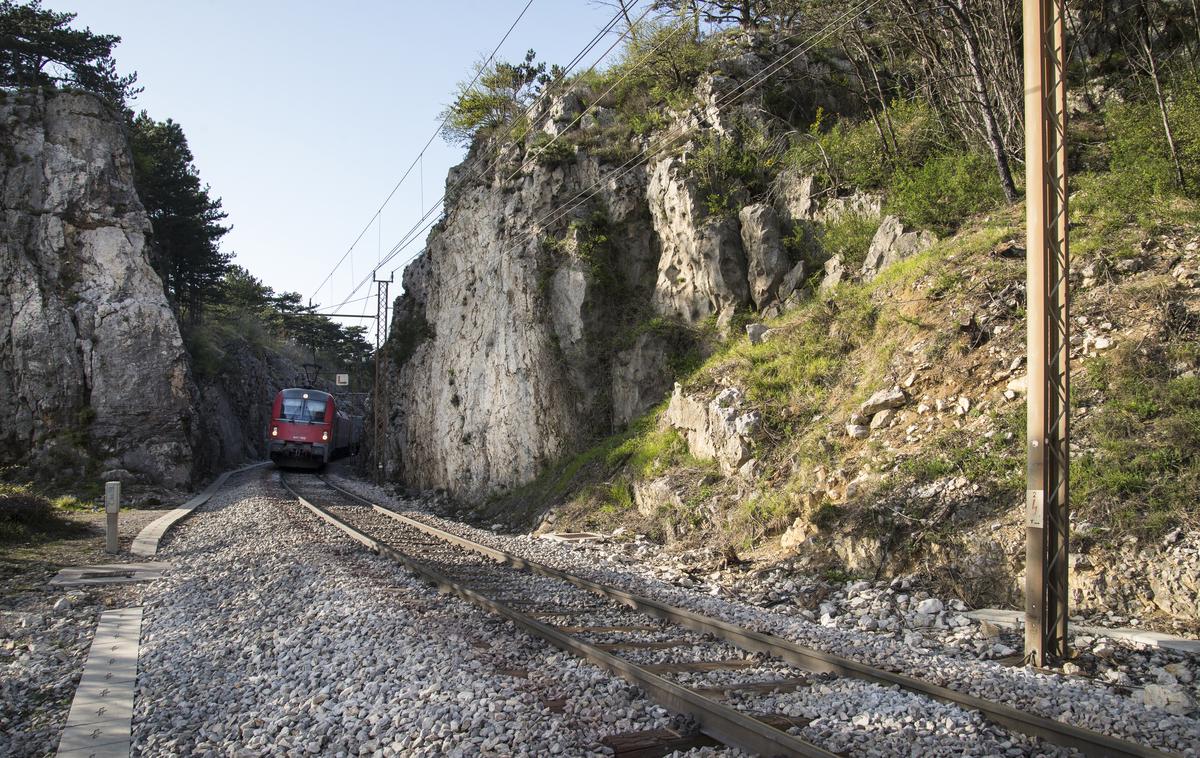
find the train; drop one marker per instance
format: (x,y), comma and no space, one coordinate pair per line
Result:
(308,429)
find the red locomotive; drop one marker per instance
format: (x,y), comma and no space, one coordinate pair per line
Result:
(309,430)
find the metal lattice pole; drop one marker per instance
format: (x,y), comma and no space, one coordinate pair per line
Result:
(1048,339)
(379,404)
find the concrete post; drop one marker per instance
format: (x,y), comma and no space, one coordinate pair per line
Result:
(112,504)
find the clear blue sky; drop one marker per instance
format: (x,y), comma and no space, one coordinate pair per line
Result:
(303,115)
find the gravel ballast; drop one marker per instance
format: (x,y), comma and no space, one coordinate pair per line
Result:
(274,634)
(1123,713)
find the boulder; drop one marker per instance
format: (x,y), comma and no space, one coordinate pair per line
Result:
(892,244)
(793,193)
(793,280)
(655,495)
(717,430)
(796,534)
(883,418)
(930,606)
(756,332)
(1172,698)
(835,272)
(883,400)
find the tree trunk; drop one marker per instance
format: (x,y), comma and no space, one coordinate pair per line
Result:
(1162,109)
(988,113)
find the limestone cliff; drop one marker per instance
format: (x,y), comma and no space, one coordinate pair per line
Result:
(551,298)
(92,367)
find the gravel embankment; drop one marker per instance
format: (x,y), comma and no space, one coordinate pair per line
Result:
(918,638)
(274,634)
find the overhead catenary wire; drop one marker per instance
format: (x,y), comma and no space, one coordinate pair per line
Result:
(743,87)
(428,142)
(421,224)
(668,141)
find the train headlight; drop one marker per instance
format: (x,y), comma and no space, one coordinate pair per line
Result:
(324,436)
(274,431)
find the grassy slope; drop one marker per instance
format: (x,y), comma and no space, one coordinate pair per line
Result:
(953,317)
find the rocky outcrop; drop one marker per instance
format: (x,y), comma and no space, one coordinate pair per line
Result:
(93,373)
(767,262)
(235,404)
(500,357)
(519,336)
(702,269)
(720,429)
(891,244)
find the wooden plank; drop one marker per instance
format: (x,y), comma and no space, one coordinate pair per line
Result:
(640,645)
(733,663)
(780,685)
(654,743)
(779,721)
(607,629)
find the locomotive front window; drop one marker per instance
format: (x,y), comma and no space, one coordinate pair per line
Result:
(296,407)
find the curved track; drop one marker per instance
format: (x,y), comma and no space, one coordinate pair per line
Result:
(688,662)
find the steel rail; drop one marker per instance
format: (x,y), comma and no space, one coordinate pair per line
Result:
(1089,742)
(715,719)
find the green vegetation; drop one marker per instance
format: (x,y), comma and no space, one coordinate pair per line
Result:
(407,333)
(245,314)
(186,221)
(735,169)
(496,97)
(40,49)
(657,70)
(944,191)
(1141,474)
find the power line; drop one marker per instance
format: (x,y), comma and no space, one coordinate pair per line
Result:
(417,227)
(665,143)
(428,142)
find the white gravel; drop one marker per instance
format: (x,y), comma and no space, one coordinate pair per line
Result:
(275,635)
(930,654)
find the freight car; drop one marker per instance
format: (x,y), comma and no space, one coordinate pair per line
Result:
(309,430)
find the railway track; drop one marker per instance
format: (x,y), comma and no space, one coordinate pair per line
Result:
(714,672)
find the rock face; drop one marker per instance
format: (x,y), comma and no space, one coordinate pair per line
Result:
(235,405)
(496,369)
(641,377)
(766,260)
(91,361)
(522,331)
(702,270)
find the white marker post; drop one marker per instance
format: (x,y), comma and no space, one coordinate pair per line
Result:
(112,504)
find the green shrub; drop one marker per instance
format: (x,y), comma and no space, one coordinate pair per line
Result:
(656,72)
(945,190)
(650,453)
(1140,154)
(849,236)
(846,154)
(550,151)
(734,168)
(406,335)
(1141,184)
